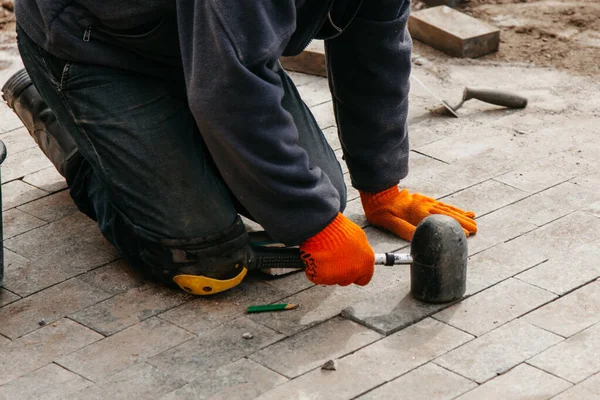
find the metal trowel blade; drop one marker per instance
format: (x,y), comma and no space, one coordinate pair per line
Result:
(435,96)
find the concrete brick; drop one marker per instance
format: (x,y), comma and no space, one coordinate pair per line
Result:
(429,382)
(16,222)
(383,241)
(499,263)
(17,140)
(575,359)
(23,316)
(124,349)
(485,197)
(323,113)
(114,278)
(41,347)
(301,79)
(569,314)
(498,351)
(494,307)
(315,92)
(291,283)
(522,382)
(586,390)
(243,379)
(310,349)
(47,179)
(562,274)
(24,163)
(129,308)
(310,61)
(393,308)
(16,193)
(453,32)
(375,364)
(51,208)
(205,314)
(215,349)
(354,211)
(50,383)
(7,297)
(8,120)
(141,381)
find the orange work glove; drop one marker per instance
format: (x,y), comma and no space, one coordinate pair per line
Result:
(400,212)
(339,254)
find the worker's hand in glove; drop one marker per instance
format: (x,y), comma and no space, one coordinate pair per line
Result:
(400,211)
(339,254)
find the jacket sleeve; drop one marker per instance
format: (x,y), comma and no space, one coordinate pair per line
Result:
(229,51)
(369,68)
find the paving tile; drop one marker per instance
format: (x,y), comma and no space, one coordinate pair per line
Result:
(354,211)
(241,380)
(16,193)
(562,274)
(8,120)
(574,359)
(312,348)
(593,209)
(124,349)
(206,313)
(586,390)
(47,179)
(498,351)
(215,349)
(375,364)
(301,79)
(17,140)
(421,135)
(24,163)
(498,263)
(291,283)
(323,113)
(485,197)
(331,134)
(351,192)
(63,249)
(114,278)
(23,316)
(4,341)
(129,308)
(569,314)
(429,382)
(41,347)
(413,184)
(339,154)
(383,241)
(51,208)
(494,307)
(315,92)
(49,383)
(16,222)
(547,172)
(141,381)
(391,309)
(7,297)
(521,382)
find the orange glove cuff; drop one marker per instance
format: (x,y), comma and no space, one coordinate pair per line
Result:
(339,254)
(372,201)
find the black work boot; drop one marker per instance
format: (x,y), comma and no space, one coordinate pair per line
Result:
(54,140)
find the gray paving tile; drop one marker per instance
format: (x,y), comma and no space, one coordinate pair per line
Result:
(7,297)
(354,211)
(310,349)
(241,380)
(124,349)
(331,134)
(375,364)
(383,241)
(569,314)
(485,197)
(494,307)
(291,283)
(215,349)
(391,309)
(41,347)
(586,390)
(47,179)
(128,308)
(4,340)
(323,113)
(17,140)
(429,382)
(24,163)
(521,382)
(315,92)
(498,263)
(16,222)
(114,278)
(593,209)
(564,273)
(51,208)
(302,79)
(141,381)
(8,120)
(52,304)
(498,351)
(50,383)
(16,193)
(575,359)
(206,313)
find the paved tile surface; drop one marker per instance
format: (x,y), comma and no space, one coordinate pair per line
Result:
(529,327)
